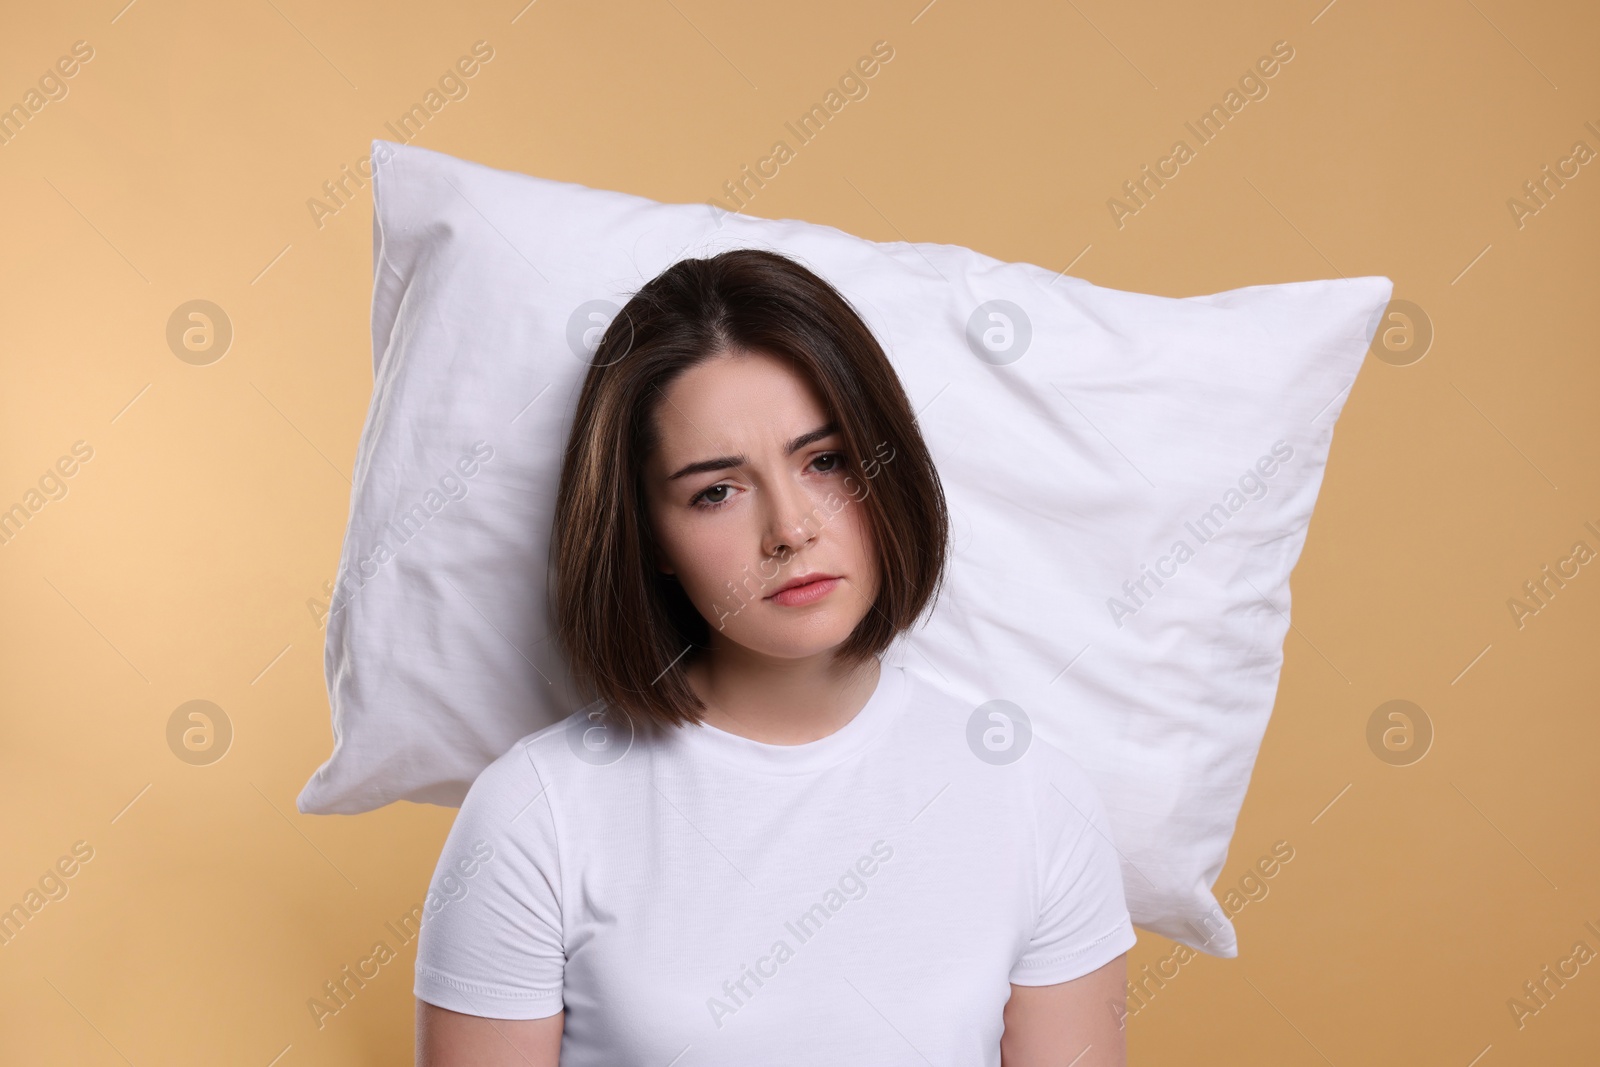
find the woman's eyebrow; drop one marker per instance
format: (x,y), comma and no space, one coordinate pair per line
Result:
(722,463)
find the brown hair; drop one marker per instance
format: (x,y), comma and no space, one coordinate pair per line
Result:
(622,624)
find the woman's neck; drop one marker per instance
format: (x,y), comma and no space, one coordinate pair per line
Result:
(781,702)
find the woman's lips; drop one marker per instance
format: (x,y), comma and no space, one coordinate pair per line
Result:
(805,594)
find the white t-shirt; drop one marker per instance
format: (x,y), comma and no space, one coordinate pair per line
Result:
(698,898)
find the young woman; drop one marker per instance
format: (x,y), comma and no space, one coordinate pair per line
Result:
(760,844)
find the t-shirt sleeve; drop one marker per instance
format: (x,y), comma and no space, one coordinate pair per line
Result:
(1083,920)
(491,938)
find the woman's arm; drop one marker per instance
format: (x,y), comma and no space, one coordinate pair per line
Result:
(1049,1025)
(448,1038)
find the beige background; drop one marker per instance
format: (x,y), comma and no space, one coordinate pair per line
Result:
(180,562)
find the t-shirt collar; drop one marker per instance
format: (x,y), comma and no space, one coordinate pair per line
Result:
(886,702)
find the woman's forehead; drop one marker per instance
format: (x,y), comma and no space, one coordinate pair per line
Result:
(736,404)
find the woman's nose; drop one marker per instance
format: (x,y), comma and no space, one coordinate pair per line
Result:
(792,519)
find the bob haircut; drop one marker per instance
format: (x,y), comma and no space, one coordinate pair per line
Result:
(624,626)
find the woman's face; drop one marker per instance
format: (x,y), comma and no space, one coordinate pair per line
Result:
(738,515)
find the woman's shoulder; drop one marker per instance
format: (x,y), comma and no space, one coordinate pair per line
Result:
(593,736)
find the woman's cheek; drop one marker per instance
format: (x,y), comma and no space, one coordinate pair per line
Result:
(862,553)
(717,572)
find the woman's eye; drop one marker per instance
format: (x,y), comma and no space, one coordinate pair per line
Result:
(703,499)
(717,495)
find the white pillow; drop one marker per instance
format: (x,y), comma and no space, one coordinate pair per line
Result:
(1082,435)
